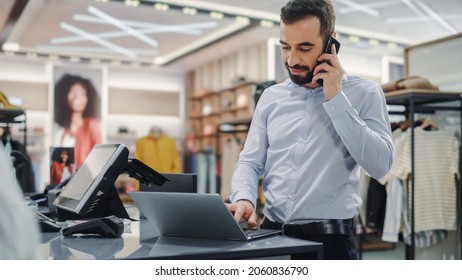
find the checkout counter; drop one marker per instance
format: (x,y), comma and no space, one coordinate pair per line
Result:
(90,193)
(138,242)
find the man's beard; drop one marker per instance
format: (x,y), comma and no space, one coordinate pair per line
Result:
(300,80)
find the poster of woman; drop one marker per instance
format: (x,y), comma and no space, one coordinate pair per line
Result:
(61,164)
(77,110)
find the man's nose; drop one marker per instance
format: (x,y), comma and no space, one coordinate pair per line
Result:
(293,58)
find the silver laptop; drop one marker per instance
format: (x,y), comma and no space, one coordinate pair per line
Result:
(194,215)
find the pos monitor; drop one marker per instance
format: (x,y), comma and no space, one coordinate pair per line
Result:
(92,185)
(90,192)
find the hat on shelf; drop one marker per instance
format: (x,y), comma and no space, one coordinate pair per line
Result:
(5,104)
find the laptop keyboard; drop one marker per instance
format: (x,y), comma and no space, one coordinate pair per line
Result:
(254,233)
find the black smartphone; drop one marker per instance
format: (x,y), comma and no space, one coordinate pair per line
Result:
(327,47)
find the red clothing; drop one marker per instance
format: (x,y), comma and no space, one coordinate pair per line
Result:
(87,136)
(56,172)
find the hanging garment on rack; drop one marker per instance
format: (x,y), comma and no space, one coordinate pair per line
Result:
(21,162)
(206,172)
(230,154)
(422,239)
(160,153)
(376,204)
(397,219)
(364,180)
(394,212)
(436,163)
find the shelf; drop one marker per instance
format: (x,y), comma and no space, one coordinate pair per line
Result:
(207,112)
(245,121)
(8,116)
(420,97)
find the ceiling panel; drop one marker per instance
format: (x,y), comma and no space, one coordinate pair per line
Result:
(188,34)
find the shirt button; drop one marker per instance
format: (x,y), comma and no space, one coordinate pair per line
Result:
(332,108)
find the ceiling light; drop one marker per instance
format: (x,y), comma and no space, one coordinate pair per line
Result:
(354,8)
(373,42)
(392,45)
(161,7)
(74,59)
(354,39)
(242,19)
(216,15)
(436,17)
(189,11)
(121,25)
(225,8)
(98,40)
(359,7)
(159,60)
(132,3)
(266,23)
(12,47)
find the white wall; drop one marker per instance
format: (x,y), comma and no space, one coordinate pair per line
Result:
(148,79)
(365,66)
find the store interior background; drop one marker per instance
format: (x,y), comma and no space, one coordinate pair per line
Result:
(156,55)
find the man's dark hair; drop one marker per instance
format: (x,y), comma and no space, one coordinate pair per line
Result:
(296,10)
(62,115)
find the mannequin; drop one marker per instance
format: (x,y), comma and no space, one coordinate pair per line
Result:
(158,151)
(155,132)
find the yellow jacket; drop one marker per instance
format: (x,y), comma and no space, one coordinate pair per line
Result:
(160,153)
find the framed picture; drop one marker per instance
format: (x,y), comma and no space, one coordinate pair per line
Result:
(62,164)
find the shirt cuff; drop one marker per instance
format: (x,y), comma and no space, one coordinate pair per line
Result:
(337,105)
(251,203)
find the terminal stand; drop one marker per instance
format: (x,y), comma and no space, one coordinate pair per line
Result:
(109,203)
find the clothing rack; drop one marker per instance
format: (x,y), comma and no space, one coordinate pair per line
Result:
(13,116)
(421,101)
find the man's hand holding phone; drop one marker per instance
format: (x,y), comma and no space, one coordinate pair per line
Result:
(329,71)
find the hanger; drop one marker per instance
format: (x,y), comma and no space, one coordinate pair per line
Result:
(429,124)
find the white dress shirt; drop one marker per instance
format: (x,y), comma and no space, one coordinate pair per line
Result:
(309,150)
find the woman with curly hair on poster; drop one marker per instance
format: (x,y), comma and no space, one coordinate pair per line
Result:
(77,115)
